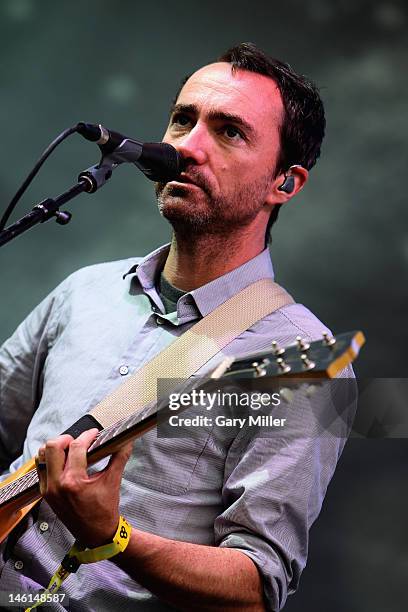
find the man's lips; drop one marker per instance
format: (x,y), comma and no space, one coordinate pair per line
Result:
(185,179)
(188,181)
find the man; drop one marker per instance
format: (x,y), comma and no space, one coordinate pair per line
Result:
(214,527)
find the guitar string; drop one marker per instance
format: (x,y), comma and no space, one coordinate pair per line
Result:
(17,486)
(27,480)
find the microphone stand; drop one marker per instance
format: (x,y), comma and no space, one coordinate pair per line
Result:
(89,181)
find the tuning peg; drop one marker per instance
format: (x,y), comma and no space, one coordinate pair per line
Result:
(277,350)
(307,363)
(283,366)
(302,344)
(259,368)
(328,340)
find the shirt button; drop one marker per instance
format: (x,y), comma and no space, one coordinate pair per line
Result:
(159,321)
(18,565)
(43,526)
(123,370)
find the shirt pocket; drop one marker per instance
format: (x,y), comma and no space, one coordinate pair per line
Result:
(167,464)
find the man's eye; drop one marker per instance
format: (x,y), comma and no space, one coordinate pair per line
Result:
(232,132)
(180,119)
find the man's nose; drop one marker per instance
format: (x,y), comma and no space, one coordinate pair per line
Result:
(194,146)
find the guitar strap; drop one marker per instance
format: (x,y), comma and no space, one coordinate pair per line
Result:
(191,351)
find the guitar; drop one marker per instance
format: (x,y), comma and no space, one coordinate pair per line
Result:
(319,359)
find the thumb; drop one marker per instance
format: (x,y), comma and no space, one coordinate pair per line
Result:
(119,460)
(41,467)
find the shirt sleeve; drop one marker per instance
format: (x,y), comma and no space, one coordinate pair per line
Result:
(274,486)
(21,361)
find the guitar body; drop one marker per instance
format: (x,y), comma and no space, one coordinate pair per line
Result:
(15,511)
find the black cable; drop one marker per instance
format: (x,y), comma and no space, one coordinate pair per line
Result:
(34,171)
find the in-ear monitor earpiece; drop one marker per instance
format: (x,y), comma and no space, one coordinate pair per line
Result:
(288,184)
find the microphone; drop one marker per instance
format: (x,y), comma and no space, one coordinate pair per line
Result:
(158,161)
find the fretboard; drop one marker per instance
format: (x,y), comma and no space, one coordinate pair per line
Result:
(17,487)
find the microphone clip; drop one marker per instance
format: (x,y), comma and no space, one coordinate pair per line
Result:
(96,176)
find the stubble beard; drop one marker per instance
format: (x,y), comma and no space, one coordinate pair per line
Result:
(200,212)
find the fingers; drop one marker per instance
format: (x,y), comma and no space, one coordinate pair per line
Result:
(77,455)
(63,453)
(55,456)
(50,461)
(65,460)
(87,504)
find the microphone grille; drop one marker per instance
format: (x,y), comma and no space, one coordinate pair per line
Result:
(160,161)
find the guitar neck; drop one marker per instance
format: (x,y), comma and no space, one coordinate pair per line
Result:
(25,489)
(321,358)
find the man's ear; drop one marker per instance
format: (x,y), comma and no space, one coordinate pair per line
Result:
(287,184)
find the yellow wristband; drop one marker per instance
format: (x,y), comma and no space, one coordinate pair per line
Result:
(118,544)
(78,555)
(122,535)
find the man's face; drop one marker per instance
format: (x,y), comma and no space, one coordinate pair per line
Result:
(226,127)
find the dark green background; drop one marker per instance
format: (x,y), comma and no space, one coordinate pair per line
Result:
(341,247)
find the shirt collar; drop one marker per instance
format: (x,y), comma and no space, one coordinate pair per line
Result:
(206,298)
(211,295)
(148,268)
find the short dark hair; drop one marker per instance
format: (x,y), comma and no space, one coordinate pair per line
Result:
(303,126)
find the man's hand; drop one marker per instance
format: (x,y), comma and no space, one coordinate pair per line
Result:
(187,576)
(87,504)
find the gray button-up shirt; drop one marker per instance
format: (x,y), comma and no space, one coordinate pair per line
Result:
(99,326)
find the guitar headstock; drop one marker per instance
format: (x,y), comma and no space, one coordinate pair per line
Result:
(320,358)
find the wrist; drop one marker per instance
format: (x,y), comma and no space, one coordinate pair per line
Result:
(129,551)
(116,545)
(99,535)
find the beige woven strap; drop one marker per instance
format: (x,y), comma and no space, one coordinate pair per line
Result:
(193,349)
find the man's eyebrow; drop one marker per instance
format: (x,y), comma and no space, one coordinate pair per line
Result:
(215,115)
(231,118)
(183,108)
